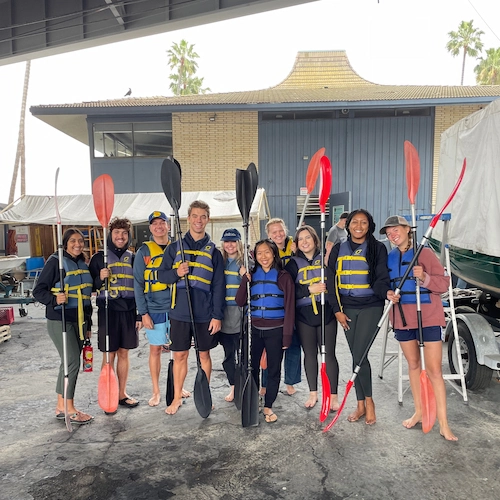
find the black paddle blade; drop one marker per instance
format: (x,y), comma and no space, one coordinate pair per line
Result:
(243,185)
(254,178)
(239,382)
(201,394)
(250,403)
(171,183)
(169,396)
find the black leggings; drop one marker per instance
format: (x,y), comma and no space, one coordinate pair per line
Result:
(231,343)
(310,338)
(272,341)
(361,329)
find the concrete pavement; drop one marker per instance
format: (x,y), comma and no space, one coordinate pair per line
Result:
(142,453)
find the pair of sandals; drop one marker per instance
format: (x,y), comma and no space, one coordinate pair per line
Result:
(270,418)
(78,418)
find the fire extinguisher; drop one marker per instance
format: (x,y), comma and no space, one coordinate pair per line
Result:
(88,356)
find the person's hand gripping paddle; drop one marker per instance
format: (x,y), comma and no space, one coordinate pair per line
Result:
(171,184)
(311,177)
(246,187)
(103,193)
(63,316)
(324,194)
(388,307)
(427,398)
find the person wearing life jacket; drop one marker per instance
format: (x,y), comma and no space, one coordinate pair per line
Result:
(153,297)
(77,312)
(272,306)
(277,231)
(204,269)
(358,268)
(433,282)
(305,270)
(232,253)
(123,321)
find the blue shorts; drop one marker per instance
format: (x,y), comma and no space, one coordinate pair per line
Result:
(160,334)
(430,334)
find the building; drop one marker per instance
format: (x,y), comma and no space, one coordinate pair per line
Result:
(323,102)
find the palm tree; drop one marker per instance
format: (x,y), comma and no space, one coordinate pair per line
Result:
(467,38)
(488,69)
(181,59)
(20,153)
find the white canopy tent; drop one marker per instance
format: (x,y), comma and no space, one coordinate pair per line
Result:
(78,210)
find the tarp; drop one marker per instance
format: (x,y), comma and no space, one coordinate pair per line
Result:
(78,210)
(475,208)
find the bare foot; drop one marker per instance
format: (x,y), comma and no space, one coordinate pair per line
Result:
(311,400)
(155,400)
(370,418)
(290,389)
(262,391)
(334,402)
(413,421)
(445,431)
(358,412)
(230,396)
(185,394)
(172,409)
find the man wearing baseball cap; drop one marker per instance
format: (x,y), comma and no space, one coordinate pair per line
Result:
(153,297)
(337,234)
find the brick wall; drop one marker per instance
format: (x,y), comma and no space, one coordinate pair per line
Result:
(211,151)
(445,117)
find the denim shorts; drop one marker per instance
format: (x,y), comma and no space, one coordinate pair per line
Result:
(430,334)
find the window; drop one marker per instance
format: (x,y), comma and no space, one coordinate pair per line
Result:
(124,140)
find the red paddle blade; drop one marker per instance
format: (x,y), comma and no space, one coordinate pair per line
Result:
(325,390)
(326,182)
(339,411)
(412,171)
(436,218)
(263,360)
(313,170)
(107,389)
(103,192)
(428,399)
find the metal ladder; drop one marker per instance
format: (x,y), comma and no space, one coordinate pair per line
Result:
(387,357)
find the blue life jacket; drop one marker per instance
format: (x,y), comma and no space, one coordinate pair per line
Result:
(266,299)
(398,264)
(353,271)
(121,279)
(201,268)
(308,274)
(233,280)
(77,283)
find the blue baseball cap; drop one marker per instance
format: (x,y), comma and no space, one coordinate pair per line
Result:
(157,215)
(231,235)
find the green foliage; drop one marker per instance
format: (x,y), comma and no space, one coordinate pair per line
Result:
(182,62)
(488,69)
(466,39)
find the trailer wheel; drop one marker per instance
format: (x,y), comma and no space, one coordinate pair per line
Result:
(476,376)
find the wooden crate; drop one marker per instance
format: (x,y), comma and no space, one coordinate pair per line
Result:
(4,333)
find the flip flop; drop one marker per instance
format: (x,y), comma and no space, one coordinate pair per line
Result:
(128,402)
(74,419)
(270,417)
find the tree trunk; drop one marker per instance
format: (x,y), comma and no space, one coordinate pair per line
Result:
(20,153)
(463,66)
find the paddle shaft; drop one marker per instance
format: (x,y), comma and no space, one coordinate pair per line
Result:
(60,256)
(303,214)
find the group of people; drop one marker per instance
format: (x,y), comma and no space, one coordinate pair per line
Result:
(149,290)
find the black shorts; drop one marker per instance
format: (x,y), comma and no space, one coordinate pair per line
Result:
(181,334)
(121,327)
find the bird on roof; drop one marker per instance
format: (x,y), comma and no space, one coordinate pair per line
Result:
(129,92)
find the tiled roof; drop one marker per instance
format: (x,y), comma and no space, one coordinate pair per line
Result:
(317,77)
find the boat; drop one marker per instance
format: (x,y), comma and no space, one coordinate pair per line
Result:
(11,262)
(472,233)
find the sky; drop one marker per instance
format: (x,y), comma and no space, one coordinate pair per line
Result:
(394,42)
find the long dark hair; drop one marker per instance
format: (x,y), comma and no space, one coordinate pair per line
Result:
(276,254)
(371,241)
